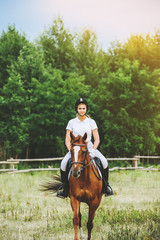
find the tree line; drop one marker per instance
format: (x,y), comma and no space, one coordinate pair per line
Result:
(40,82)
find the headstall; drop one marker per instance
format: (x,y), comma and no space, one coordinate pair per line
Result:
(83,163)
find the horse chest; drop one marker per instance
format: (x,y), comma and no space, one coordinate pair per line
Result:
(83,194)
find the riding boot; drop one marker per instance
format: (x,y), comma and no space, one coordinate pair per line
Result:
(63,189)
(107,190)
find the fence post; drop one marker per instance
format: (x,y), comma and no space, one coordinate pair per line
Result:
(12,164)
(134,162)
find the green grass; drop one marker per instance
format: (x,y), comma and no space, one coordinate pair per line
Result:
(132,213)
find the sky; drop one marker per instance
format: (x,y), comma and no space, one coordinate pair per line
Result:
(111,20)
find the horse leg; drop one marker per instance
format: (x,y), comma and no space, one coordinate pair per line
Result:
(91,214)
(75,208)
(79,214)
(80,225)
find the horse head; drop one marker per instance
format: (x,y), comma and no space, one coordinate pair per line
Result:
(78,154)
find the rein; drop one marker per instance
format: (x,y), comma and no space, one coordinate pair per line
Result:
(97,176)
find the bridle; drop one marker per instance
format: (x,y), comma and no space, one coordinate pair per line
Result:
(83,162)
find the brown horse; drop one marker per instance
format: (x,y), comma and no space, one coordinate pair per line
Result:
(84,184)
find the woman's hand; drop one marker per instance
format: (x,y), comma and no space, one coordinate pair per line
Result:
(68,147)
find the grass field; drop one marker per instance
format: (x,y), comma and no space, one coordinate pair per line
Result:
(132,213)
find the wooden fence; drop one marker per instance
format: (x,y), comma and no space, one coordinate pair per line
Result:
(134,160)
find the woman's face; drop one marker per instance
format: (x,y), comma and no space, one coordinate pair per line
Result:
(81,109)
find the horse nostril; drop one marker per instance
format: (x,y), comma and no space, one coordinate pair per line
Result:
(74,173)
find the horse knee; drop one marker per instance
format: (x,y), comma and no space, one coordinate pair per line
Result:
(76,220)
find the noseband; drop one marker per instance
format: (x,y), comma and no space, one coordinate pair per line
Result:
(82,163)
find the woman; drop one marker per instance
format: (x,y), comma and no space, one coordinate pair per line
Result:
(78,126)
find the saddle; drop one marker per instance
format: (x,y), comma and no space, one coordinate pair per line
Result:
(99,164)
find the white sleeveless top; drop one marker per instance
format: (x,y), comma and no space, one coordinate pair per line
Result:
(81,127)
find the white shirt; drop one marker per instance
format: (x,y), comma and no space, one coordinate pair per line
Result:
(81,127)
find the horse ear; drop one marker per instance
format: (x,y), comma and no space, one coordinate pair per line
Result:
(72,136)
(84,136)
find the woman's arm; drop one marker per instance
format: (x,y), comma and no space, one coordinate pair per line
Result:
(68,140)
(96,138)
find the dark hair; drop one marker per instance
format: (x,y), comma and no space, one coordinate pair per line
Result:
(81,101)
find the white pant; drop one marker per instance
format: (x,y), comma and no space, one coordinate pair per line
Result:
(97,154)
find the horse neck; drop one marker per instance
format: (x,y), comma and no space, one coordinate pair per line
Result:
(88,168)
(88,158)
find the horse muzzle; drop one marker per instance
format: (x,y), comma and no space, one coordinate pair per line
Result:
(76,172)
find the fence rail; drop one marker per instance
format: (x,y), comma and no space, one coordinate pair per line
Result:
(151,157)
(35,159)
(134,160)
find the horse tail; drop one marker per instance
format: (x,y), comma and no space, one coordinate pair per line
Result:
(51,186)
